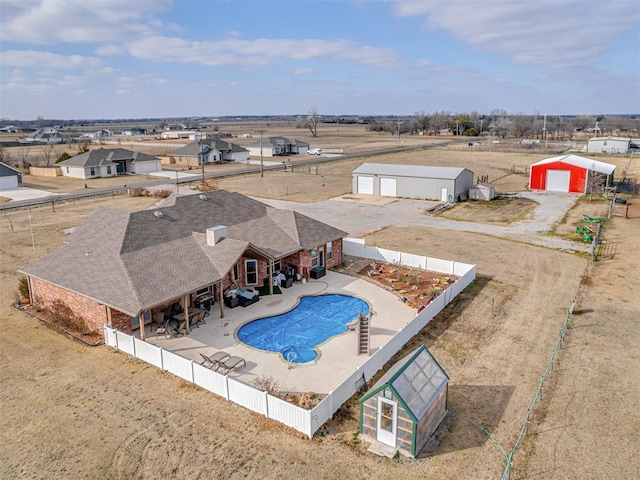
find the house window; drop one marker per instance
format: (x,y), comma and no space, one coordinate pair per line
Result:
(251,272)
(235,271)
(329,250)
(67,169)
(108,170)
(314,258)
(92,172)
(276,266)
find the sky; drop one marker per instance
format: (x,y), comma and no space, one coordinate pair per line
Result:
(109,59)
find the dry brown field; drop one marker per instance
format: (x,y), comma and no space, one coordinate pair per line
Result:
(72,411)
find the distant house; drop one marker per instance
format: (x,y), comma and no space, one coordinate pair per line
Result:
(133,132)
(98,134)
(9,177)
(43,135)
(109,162)
(274,146)
(613,145)
(210,150)
(173,134)
(446,184)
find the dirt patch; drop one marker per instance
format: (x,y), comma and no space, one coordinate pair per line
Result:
(498,211)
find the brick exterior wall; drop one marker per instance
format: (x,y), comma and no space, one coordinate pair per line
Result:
(93,313)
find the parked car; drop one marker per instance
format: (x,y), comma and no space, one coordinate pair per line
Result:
(315,151)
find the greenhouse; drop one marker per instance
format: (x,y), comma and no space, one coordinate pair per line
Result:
(404,408)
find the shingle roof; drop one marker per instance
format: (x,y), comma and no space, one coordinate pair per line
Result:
(279,141)
(104,156)
(193,149)
(422,171)
(7,171)
(133,261)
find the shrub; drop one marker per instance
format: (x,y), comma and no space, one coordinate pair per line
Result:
(23,287)
(63,157)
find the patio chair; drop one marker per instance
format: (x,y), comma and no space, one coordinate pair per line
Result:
(163,330)
(215,359)
(178,331)
(231,363)
(196,318)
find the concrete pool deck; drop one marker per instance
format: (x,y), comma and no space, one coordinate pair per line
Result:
(337,359)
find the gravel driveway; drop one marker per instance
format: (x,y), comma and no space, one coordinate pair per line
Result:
(359,219)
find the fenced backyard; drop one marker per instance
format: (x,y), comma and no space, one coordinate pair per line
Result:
(300,419)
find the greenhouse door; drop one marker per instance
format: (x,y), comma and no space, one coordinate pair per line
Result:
(387,418)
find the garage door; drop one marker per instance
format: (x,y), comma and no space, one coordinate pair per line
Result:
(388,187)
(365,185)
(10,181)
(558,180)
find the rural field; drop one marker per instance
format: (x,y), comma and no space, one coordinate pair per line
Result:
(72,411)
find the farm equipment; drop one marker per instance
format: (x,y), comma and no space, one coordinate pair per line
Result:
(586,231)
(589,219)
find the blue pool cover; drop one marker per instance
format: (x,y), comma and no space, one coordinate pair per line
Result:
(296,333)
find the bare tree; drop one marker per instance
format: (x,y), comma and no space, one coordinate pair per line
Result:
(46,154)
(421,122)
(312,121)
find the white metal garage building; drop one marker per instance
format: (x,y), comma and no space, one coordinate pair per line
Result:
(445,184)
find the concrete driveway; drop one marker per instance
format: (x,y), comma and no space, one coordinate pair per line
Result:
(358,218)
(25,193)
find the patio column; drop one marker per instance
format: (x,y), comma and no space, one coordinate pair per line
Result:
(270,279)
(141,323)
(185,307)
(221,300)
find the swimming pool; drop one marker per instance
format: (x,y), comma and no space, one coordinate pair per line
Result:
(297,333)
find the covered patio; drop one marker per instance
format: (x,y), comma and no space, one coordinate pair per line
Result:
(337,359)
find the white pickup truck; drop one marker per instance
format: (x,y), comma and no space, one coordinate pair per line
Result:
(315,151)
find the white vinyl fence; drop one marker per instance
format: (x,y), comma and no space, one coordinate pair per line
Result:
(305,421)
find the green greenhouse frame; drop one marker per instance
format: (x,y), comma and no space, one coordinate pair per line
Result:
(404,408)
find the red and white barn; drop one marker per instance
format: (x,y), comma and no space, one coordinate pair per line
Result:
(570,173)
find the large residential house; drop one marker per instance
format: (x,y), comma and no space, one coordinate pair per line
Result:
(210,150)
(109,162)
(274,146)
(120,267)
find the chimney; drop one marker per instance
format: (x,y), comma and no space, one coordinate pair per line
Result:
(215,234)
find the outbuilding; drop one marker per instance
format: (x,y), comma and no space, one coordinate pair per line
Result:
(482,191)
(612,145)
(9,177)
(571,173)
(446,184)
(404,408)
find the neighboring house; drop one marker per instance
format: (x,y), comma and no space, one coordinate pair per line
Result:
(613,145)
(132,132)
(571,173)
(446,184)
(404,408)
(9,177)
(43,135)
(173,134)
(121,266)
(274,146)
(98,134)
(210,150)
(109,162)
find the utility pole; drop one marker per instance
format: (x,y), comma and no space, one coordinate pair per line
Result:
(261,132)
(201,156)
(399,122)
(457,129)
(481,120)
(544,130)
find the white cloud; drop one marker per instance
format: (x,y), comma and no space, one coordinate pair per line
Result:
(47,21)
(303,71)
(260,51)
(122,91)
(47,60)
(555,33)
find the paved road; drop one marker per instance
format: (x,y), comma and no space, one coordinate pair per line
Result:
(358,219)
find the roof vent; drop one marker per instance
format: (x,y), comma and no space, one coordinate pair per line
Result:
(202,196)
(158,214)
